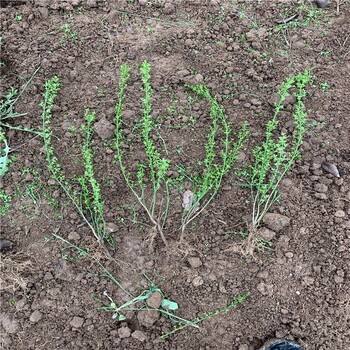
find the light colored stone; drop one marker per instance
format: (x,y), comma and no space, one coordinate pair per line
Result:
(36,316)
(77,322)
(194,262)
(139,335)
(10,325)
(104,129)
(124,332)
(276,222)
(339,214)
(197,281)
(111,227)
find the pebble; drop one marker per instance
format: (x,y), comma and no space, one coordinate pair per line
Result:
(323,3)
(289,255)
(266,234)
(36,316)
(77,322)
(276,222)
(5,244)
(139,335)
(321,188)
(111,227)
(155,300)
(197,281)
(265,289)
(339,214)
(195,262)
(124,332)
(73,236)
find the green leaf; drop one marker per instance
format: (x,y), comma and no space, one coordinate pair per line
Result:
(169,305)
(4,160)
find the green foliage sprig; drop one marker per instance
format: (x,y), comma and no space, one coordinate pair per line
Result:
(278,153)
(220,155)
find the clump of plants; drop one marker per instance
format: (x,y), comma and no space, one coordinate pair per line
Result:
(88,201)
(276,155)
(221,152)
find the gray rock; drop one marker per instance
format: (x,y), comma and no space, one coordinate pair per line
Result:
(194,262)
(124,332)
(276,222)
(139,335)
(104,129)
(36,316)
(266,234)
(265,289)
(77,322)
(10,325)
(197,281)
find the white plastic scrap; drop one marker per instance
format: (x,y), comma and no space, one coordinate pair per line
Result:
(189,198)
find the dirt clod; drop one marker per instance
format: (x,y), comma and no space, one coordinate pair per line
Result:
(77,322)
(155,300)
(148,317)
(124,332)
(276,222)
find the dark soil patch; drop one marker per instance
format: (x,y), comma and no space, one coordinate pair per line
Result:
(299,289)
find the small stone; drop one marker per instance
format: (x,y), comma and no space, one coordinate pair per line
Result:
(321,188)
(265,289)
(124,332)
(155,300)
(276,222)
(36,316)
(5,244)
(111,227)
(148,317)
(195,262)
(197,281)
(143,2)
(48,276)
(321,196)
(339,214)
(139,335)
(51,182)
(289,255)
(168,8)
(243,347)
(338,279)
(266,234)
(104,129)
(74,236)
(77,322)
(323,3)
(10,325)
(199,78)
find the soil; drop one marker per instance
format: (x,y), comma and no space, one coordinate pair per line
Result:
(299,289)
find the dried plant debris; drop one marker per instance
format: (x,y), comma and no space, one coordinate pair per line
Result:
(330,168)
(12,271)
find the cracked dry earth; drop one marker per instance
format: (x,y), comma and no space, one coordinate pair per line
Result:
(299,289)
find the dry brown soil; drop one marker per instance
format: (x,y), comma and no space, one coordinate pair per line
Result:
(298,289)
